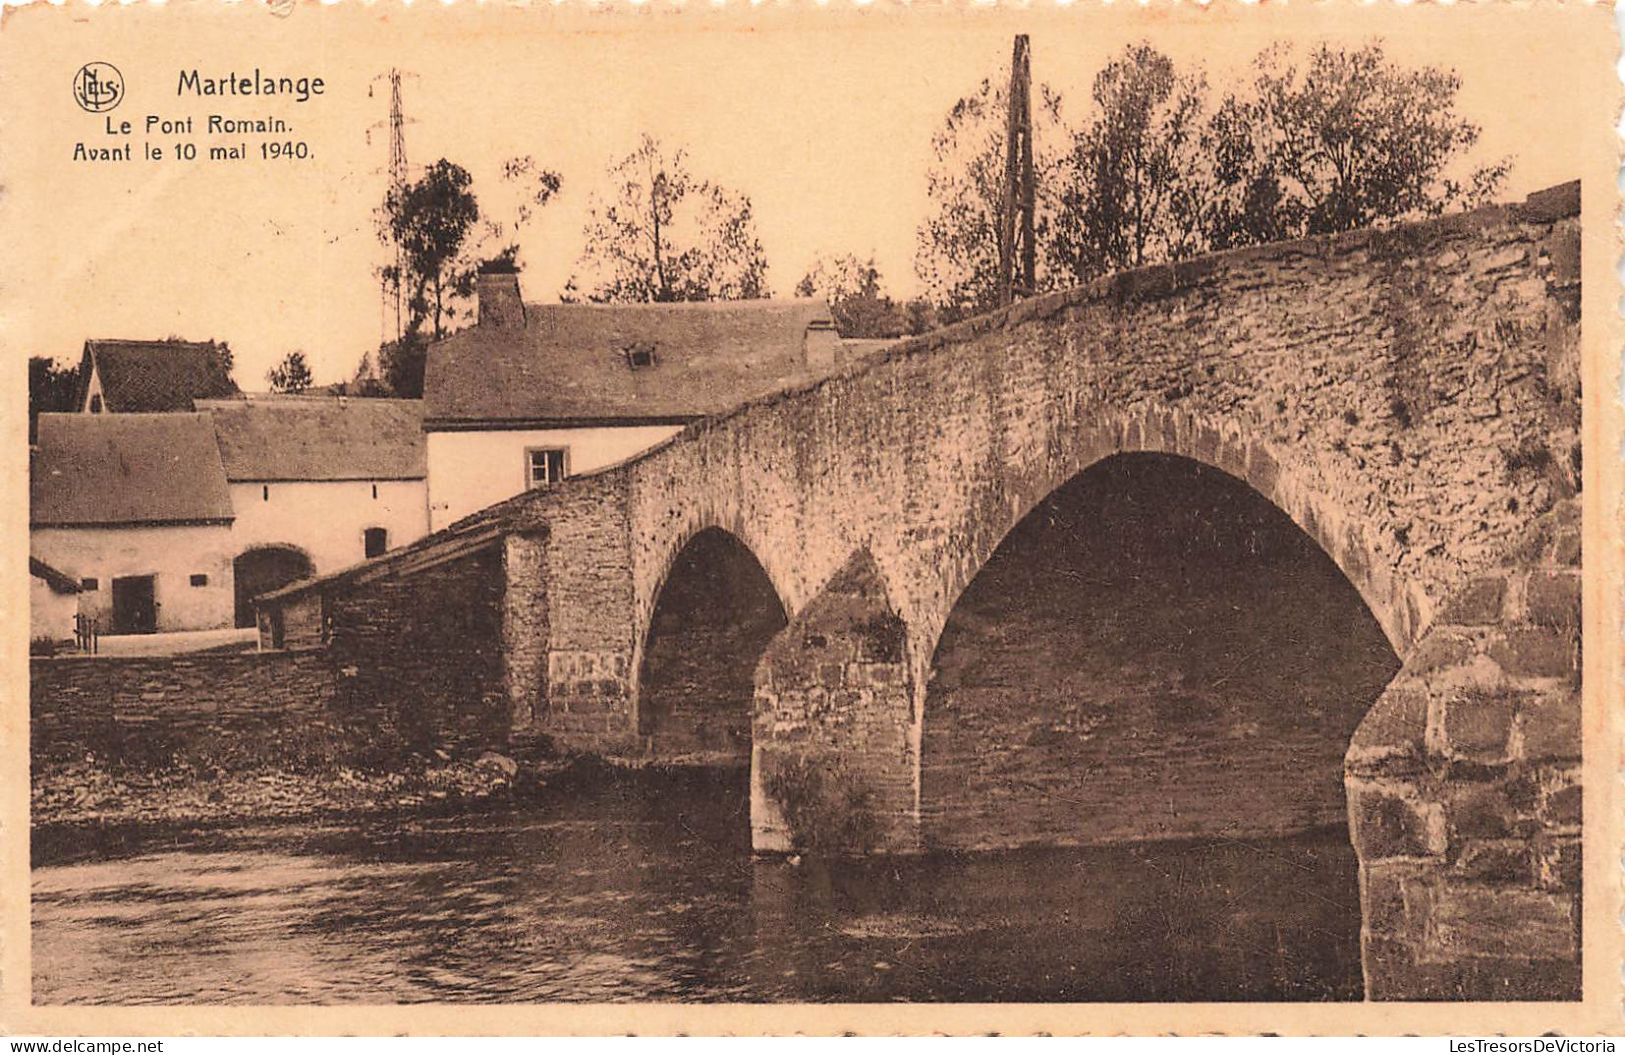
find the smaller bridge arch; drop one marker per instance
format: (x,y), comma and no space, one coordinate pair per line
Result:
(710,619)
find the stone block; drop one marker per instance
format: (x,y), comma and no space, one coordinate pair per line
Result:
(1562,804)
(1391,734)
(1551,728)
(1540,652)
(1386,824)
(1495,920)
(1477,724)
(1394,972)
(1478,603)
(1483,811)
(1506,861)
(1559,863)
(1517,978)
(1553,599)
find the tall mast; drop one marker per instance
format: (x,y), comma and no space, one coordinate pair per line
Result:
(1017,246)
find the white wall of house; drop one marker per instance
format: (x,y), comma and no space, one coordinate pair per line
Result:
(469,470)
(50,614)
(171,553)
(326,518)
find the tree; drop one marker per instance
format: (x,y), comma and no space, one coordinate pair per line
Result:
(431,220)
(663,234)
(401,365)
(291,375)
(1136,185)
(852,288)
(1346,140)
(51,389)
(957,247)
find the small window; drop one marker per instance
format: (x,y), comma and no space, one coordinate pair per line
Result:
(544,466)
(95,404)
(200,580)
(374,541)
(265,492)
(89,584)
(640,355)
(375,490)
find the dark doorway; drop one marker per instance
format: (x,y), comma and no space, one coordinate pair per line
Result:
(714,617)
(135,609)
(262,570)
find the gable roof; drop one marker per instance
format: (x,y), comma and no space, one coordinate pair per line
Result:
(319,438)
(568,363)
(152,376)
(109,469)
(58,581)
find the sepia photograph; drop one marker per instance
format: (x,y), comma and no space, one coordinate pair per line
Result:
(813,508)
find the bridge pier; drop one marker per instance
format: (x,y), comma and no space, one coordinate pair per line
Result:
(835,753)
(1464,791)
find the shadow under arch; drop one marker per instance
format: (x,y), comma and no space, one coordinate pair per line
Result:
(262,568)
(713,615)
(1156,652)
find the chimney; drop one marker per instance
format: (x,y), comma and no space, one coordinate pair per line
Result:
(500,302)
(821,344)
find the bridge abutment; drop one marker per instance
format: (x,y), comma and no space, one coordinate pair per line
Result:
(1464,791)
(835,757)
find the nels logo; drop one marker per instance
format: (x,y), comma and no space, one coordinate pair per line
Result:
(98,87)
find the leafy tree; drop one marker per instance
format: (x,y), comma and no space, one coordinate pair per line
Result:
(401,365)
(51,389)
(663,234)
(1137,187)
(1344,140)
(852,288)
(957,247)
(431,220)
(291,375)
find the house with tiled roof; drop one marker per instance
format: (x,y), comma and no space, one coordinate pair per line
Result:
(537,392)
(136,509)
(144,377)
(317,483)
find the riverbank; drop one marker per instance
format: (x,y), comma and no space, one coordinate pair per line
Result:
(84,808)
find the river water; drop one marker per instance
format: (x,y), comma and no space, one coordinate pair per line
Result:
(648,891)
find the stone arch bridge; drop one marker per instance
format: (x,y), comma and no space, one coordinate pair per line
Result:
(1409,397)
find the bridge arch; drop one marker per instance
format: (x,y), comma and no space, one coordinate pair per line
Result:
(709,620)
(1154,650)
(1362,548)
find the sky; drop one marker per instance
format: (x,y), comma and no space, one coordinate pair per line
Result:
(825,122)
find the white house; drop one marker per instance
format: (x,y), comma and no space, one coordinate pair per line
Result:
(317,483)
(53,601)
(135,507)
(536,392)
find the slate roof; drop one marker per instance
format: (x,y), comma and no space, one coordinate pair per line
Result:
(108,469)
(569,363)
(319,438)
(58,581)
(149,376)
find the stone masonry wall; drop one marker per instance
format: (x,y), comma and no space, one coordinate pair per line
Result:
(141,710)
(1464,790)
(834,755)
(425,651)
